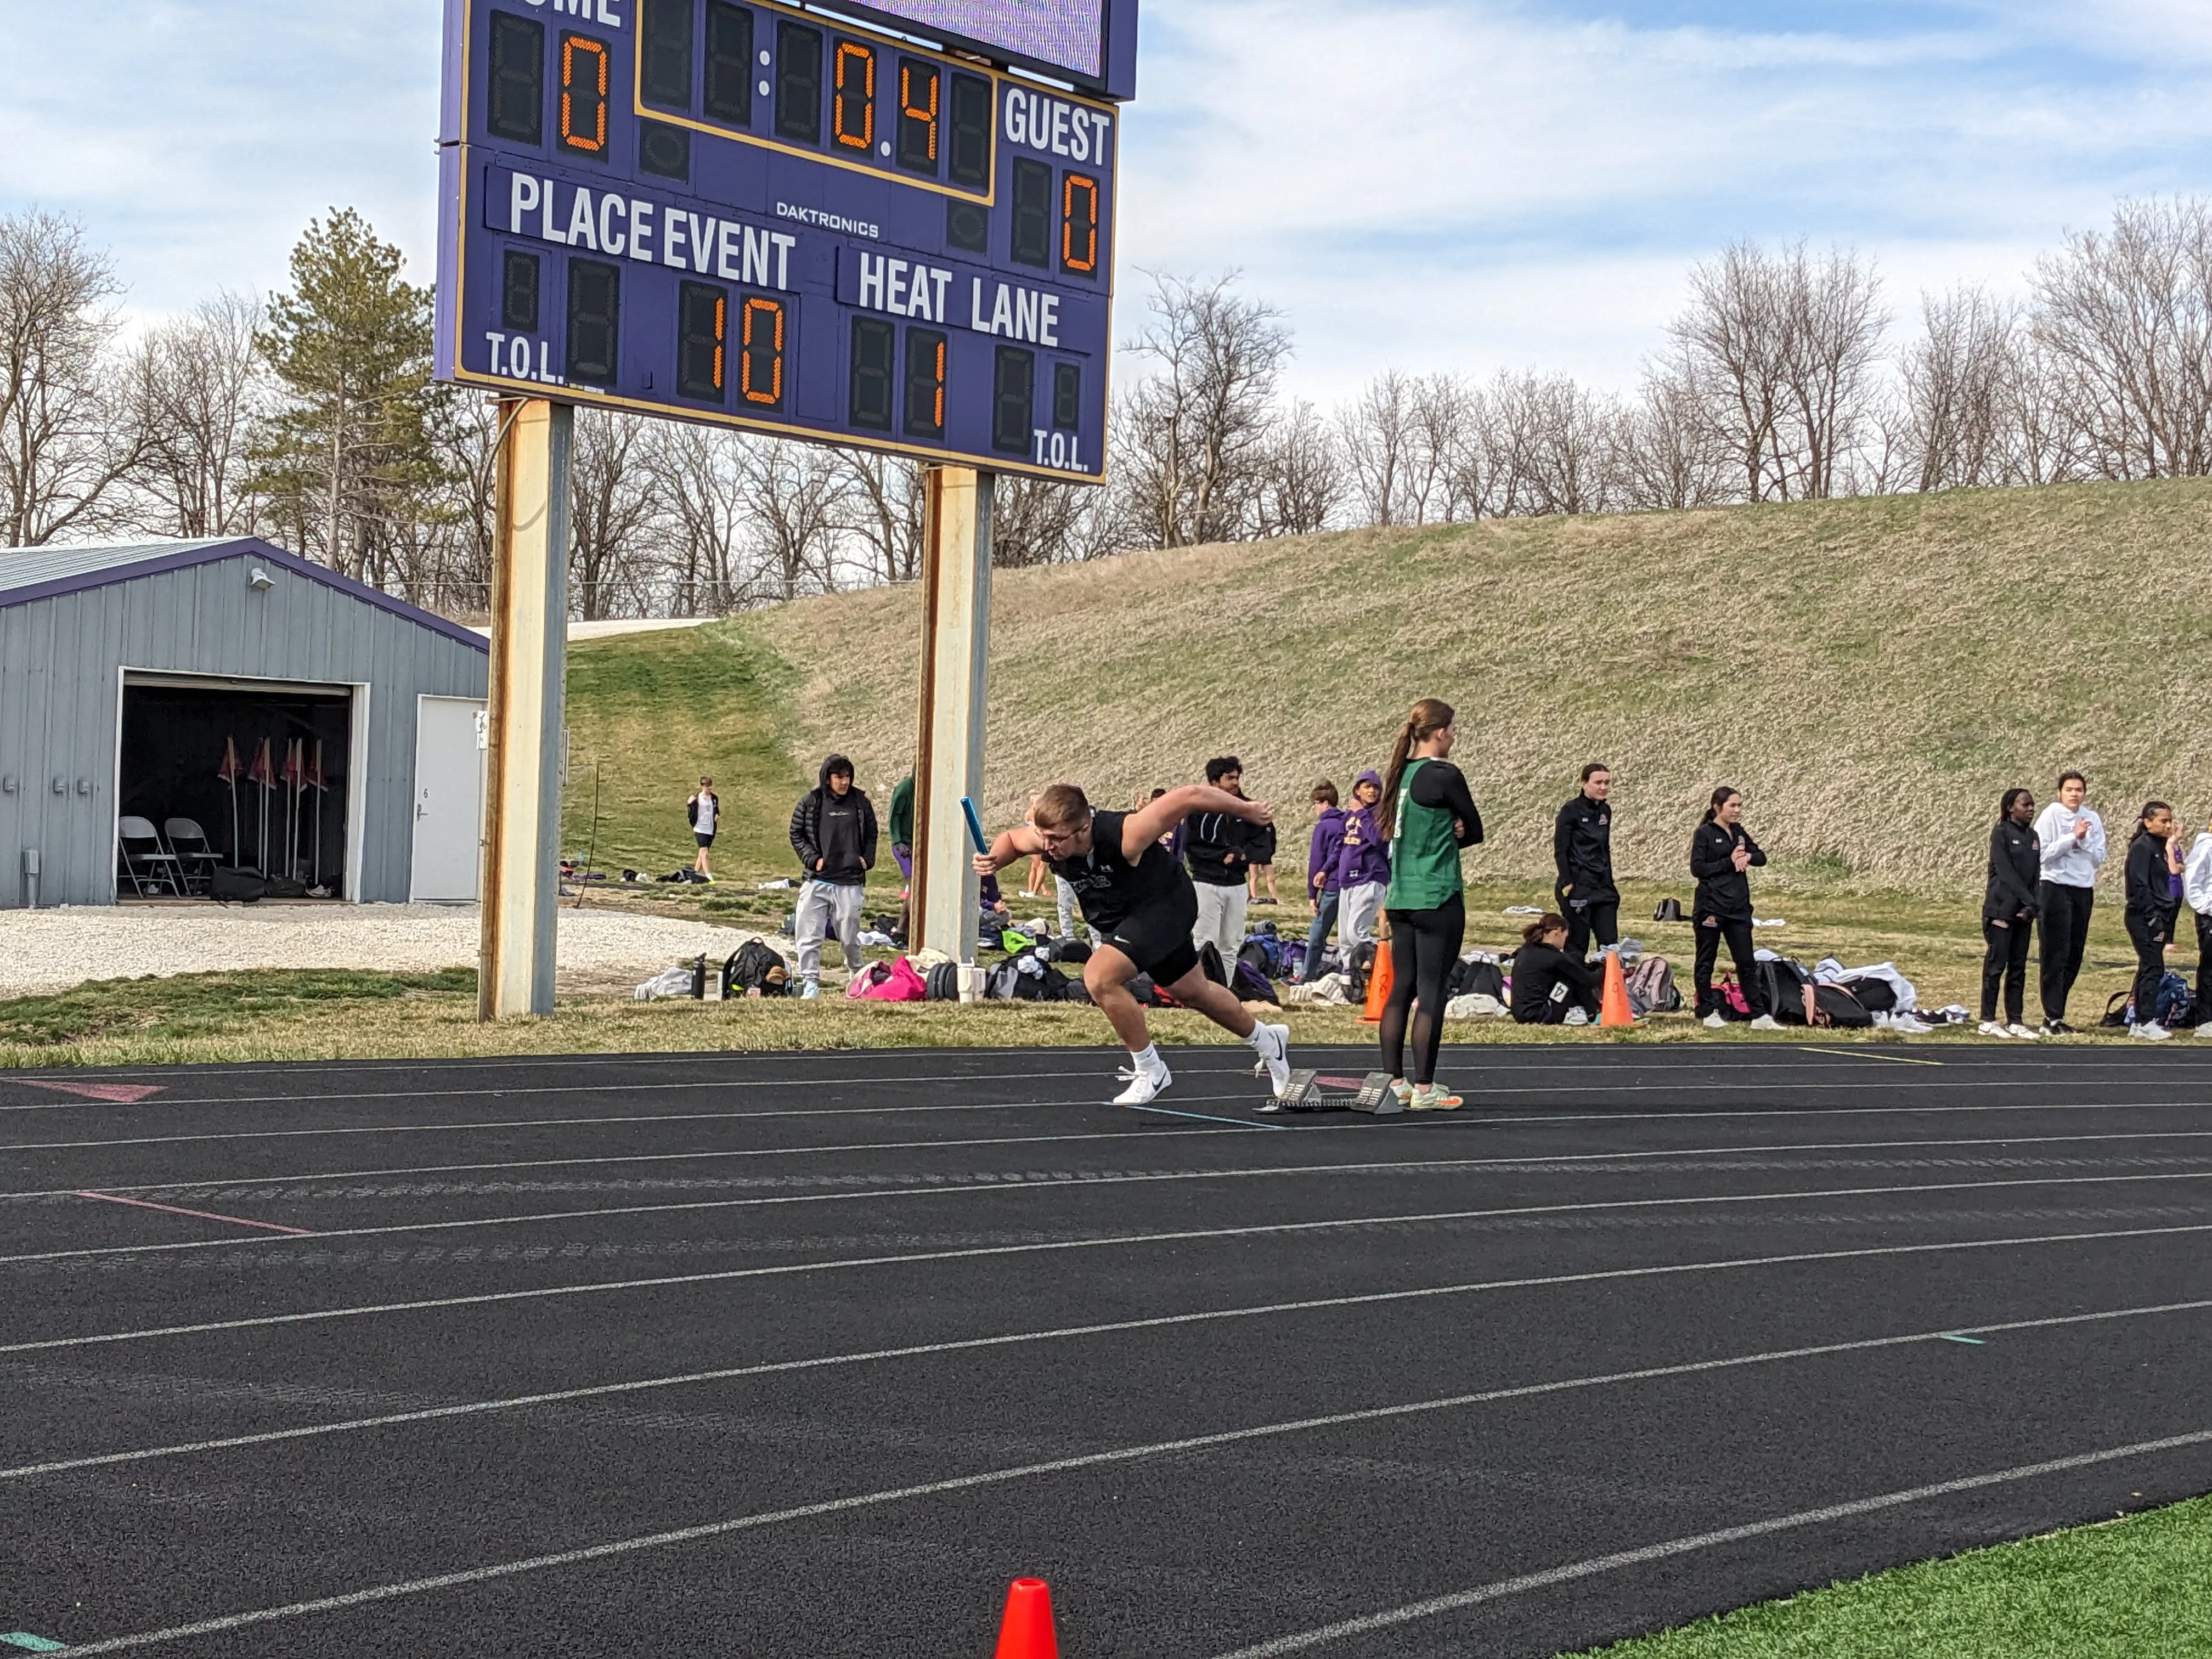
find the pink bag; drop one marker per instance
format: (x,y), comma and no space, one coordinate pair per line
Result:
(888,982)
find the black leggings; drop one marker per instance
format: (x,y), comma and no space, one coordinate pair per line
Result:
(1423,947)
(2150,960)
(1710,931)
(2203,968)
(2006,964)
(1600,919)
(2065,911)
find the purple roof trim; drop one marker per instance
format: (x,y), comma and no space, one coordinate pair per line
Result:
(197,553)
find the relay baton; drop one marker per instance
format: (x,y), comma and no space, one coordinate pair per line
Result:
(974,828)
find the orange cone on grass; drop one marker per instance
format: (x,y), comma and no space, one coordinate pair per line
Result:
(1379,981)
(1026,1631)
(1614,1010)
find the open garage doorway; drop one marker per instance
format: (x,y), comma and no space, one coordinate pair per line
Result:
(252,775)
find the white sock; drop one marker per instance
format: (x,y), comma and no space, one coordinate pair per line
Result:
(1149,1060)
(1257,1037)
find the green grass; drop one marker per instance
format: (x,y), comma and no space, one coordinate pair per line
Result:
(2135,1589)
(187,1007)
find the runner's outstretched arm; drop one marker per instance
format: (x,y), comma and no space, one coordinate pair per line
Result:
(1148,823)
(1011,847)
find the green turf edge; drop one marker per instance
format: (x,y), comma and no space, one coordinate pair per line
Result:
(2139,1587)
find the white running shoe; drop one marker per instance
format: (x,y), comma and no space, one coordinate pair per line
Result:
(1766,1023)
(1273,1044)
(1714,1022)
(2151,1031)
(1994,1027)
(1147,1085)
(2026,1032)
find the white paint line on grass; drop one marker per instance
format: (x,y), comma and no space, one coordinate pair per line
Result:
(617,1548)
(1373,1623)
(493,1298)
(1167,1132)
(1023,1338)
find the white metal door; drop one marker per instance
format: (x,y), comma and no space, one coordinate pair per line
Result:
(449,775)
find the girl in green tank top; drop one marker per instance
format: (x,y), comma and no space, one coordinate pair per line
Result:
(1424,850)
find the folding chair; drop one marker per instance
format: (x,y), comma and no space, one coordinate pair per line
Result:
(150,865)
(197,860)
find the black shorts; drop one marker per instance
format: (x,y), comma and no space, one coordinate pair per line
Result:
(703,839)
(1157,937)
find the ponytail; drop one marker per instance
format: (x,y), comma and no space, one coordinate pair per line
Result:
(1428,718)
(2151,809)
(1720,800)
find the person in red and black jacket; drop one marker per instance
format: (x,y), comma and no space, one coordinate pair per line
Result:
(1582,852)
(2008,913)
(1720,853)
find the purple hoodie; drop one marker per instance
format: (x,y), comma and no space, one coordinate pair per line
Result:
(1321,857)
(1367,859)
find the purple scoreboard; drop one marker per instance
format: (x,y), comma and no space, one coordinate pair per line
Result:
(760,216)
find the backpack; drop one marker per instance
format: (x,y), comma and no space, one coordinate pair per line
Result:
(1252,984)
(1651,987)
(756,970)
(2120,1011)
(2173,1006)
(888,982)
(1834,1005)
(1876,995)
(1789,991)
(1473,976)
(239,886)
(1209,961)
(1730,996)
(1358,969)
(1073,951)
(1264,954)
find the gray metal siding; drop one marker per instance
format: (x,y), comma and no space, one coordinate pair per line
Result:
(60,673)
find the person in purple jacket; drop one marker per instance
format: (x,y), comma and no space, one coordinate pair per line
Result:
(1363,868)
(1322,896)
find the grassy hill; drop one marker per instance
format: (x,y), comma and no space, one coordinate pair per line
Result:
(1870,672)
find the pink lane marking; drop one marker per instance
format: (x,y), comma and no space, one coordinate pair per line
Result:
(203,1215)
(126,1094)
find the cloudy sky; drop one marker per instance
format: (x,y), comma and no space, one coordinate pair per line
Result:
(1463,184)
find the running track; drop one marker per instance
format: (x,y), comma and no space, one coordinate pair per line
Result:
(808,1355)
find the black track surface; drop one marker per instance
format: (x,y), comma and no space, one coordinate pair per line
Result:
(1453,1381)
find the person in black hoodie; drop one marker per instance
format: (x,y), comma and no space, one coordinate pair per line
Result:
(2008,913)
(1581,848)
(2152,905)
(1720,853)
(1549,979)
(833,830)
(1219,849)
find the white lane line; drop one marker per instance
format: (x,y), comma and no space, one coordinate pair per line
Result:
(1023,1338)
(1859,1053)
(490,1299)
(1165,1132)
(1667,1116)
(1374,1622)
(1001,1183)
(1125,1455)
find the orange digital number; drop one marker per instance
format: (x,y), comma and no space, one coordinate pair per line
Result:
(923,117)
(1078,225)
(584,80)
(760,373)
(852,108)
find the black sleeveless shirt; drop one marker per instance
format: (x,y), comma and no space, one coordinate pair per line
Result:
(1109,886)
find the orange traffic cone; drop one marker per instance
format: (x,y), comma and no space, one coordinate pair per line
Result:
(1026,1631)
(1614,1010)
(1378,984)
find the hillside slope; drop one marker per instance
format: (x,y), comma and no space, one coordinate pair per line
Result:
(1870,672)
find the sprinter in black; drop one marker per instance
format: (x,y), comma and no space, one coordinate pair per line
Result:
(1720,853)
(2009,911)
(1139,898)
(1582,853)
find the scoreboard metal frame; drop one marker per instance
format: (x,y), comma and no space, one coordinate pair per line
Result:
(859,240)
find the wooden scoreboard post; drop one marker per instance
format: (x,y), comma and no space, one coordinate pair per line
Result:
(956,646)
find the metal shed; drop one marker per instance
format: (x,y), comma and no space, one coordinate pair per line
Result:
(127,673)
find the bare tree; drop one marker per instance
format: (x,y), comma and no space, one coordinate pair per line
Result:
(1304,480)
(887,503)
(1955,380)
(795,508)
(1664,454)
(700,488)
(1191,434)
(2127,317)
(611,506)
(199,387)
(1035,521)
(65,443)
(1376,433)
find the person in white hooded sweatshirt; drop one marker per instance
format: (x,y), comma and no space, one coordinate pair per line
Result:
(2073,842)
(2197,893)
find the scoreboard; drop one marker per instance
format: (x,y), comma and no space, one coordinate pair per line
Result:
(754,215)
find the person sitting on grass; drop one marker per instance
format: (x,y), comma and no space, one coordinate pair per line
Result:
(1551,984)
(1141,900)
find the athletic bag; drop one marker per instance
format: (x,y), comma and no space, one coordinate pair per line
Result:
(1475,976)
(888,982)
(1073,951)
(1264,954)
(1875,995)
(1789,991)
(1209,960)
(1651,989)
(1834,1005)
(1358,969)
(2120,1011)
(1252,984)
(756,970)
(2174,1008)
(238,886)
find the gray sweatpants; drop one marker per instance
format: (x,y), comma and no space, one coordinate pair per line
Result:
(1070,912)
(827,911)
(1221,913)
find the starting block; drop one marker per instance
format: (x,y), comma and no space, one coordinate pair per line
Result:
(1310,1091)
